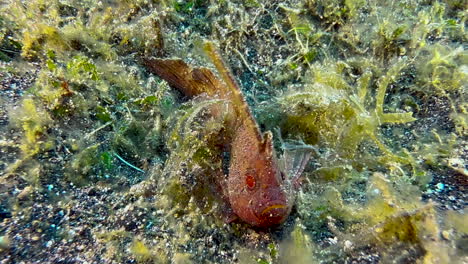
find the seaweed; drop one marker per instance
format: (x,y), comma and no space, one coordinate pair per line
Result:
(375,90)
(196,145)
(335,13)
(297,248)
(332,113)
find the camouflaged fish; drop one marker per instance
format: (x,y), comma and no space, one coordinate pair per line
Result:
(257,190)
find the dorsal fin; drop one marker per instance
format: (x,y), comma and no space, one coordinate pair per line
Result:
(234,92)
(267,144)
(195,81)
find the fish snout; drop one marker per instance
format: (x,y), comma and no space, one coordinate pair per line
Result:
(273,213)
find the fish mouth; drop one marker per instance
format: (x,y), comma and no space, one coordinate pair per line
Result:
(273,213)
(271,208)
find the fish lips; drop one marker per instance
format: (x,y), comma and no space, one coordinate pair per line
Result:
(273,213)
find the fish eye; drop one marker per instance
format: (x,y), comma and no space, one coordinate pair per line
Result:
(250,181)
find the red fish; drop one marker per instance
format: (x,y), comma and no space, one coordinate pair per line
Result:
(257,190)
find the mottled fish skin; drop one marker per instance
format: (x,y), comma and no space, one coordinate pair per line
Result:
(257,191)
(256,188)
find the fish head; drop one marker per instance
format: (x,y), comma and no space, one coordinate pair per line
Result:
(258,191)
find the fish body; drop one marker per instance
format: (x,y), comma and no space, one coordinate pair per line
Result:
(256,189)
(258,192)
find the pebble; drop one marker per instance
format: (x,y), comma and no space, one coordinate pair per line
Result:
(446,235)
(348,245)
(49,243)
(4,242)
(440,186)
(25,193)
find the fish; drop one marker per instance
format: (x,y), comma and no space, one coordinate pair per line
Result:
(257,189)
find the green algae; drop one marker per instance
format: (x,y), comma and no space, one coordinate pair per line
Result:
(34,123)
(140,250)
(77,87)
(354,79)
(196,144)
(330,105)
(297,248)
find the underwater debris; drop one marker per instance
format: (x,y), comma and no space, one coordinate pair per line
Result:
(128,164)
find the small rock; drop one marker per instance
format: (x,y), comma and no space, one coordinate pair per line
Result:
(49,243)
(25,193)
(446,235)
(4,242)
(348,245)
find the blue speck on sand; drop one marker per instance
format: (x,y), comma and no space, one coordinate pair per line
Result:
(149,225)
(440,186)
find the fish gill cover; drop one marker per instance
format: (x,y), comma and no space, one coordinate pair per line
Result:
(103,162)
